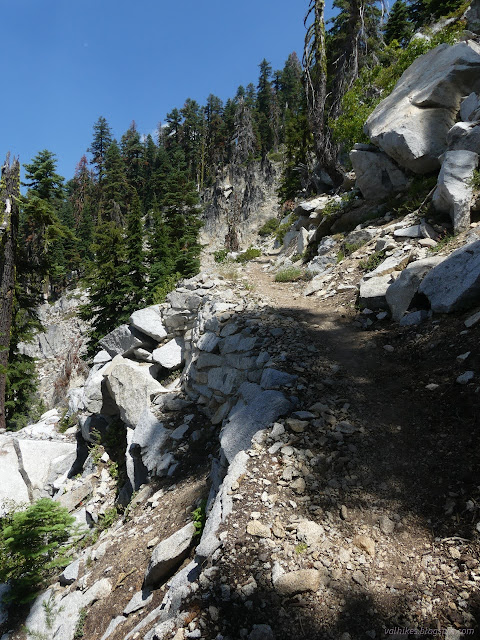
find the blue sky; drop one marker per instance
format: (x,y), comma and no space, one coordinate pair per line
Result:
(65,63)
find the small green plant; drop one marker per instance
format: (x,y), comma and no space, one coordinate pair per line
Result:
(97,452)
(442,242)
(282,230)
(301,547)
(80,626)
(347,250)
(372,261)
(67,421)
(220,255)
(290,274)
(269,227)
(106,520)
(199,517)
(33,543)
(474,181)
(113,469)
(248,254)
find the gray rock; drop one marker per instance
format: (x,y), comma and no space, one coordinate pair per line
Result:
(171,355)
(414,318)
(472,15)
(470,108)
(112,626)
(273,378)
(466,377)
(361,236)
(261,632)
(184,300)
(237,342)
(412,123)
(377,176)
(139,600)
(102,357)
(455,283)
(4,589)
(395,262)
(400,293)
(464,136)
(246,418)
(149,439)
(132,386)
(310,532)
(373,292)
(169,554)
(98,591)
(454,191)
(472,320)
(70,573)
(149,322)
(123,340)
(302,241)
(207,342)
(409,232)
(95,397)
(225,379)
(298,581)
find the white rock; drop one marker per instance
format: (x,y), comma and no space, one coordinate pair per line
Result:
(377,176)
(454,192)
(149,322)
(171,354)
(169,554)
(412,123)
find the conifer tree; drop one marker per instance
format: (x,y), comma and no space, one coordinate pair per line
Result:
(398,26)
(134,269)
(102,138)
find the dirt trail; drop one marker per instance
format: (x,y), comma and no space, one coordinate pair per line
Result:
(426,442)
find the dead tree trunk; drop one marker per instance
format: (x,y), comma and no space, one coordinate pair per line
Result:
(9,194)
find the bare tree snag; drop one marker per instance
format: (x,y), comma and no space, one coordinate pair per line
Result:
(9,195)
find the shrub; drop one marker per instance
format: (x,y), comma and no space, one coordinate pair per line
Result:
(32,545)
(269,227)
(249,254)
(290,274)
(373,261)
(220,255)
(199,517)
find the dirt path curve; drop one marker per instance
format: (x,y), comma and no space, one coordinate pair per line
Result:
(422,444)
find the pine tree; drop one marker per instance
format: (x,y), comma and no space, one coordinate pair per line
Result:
(134,270)
(265,108)
(132,151)
(115,186)
(398,27)
(102,139)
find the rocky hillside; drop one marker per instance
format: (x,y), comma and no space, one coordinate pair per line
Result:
(288,447)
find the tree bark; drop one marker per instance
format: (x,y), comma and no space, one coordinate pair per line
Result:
(315,70)
(9,194)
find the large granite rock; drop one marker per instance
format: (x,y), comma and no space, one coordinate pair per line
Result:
(464,136)
(123,340)
(472,15)
(373,292)
(170,355)
(455,283)
(255,410)
(132,386)
(149,439)
(377,176)
(169,554)
(412,123)
(149,322)
(454,190)
(400,293)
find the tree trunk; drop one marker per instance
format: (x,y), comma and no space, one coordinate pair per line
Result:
(315,69)
(9,194)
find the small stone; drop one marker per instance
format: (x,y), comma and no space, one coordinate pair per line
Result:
(387,526)
(365,543)
(359,578)
(466,377)
(472,320)
(153,542)
(388,348)
(343,512)
(310,532)
(298,581)
(277,430)
(463,356)
(432,386)
(455,553)
(297,426)
(261,632)
(298,486)
(256,528)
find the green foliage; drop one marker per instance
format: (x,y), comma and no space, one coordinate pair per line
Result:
(292,274)
(220,255)
(301,547)
(442,242)
(282,229)
(80,626)
(376,83)
(199,517)
(249,254)
(474,182)
(67,421)
(398,26)
(347,249)
(32,545)
(269,227)
(372,261)
(106,520)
